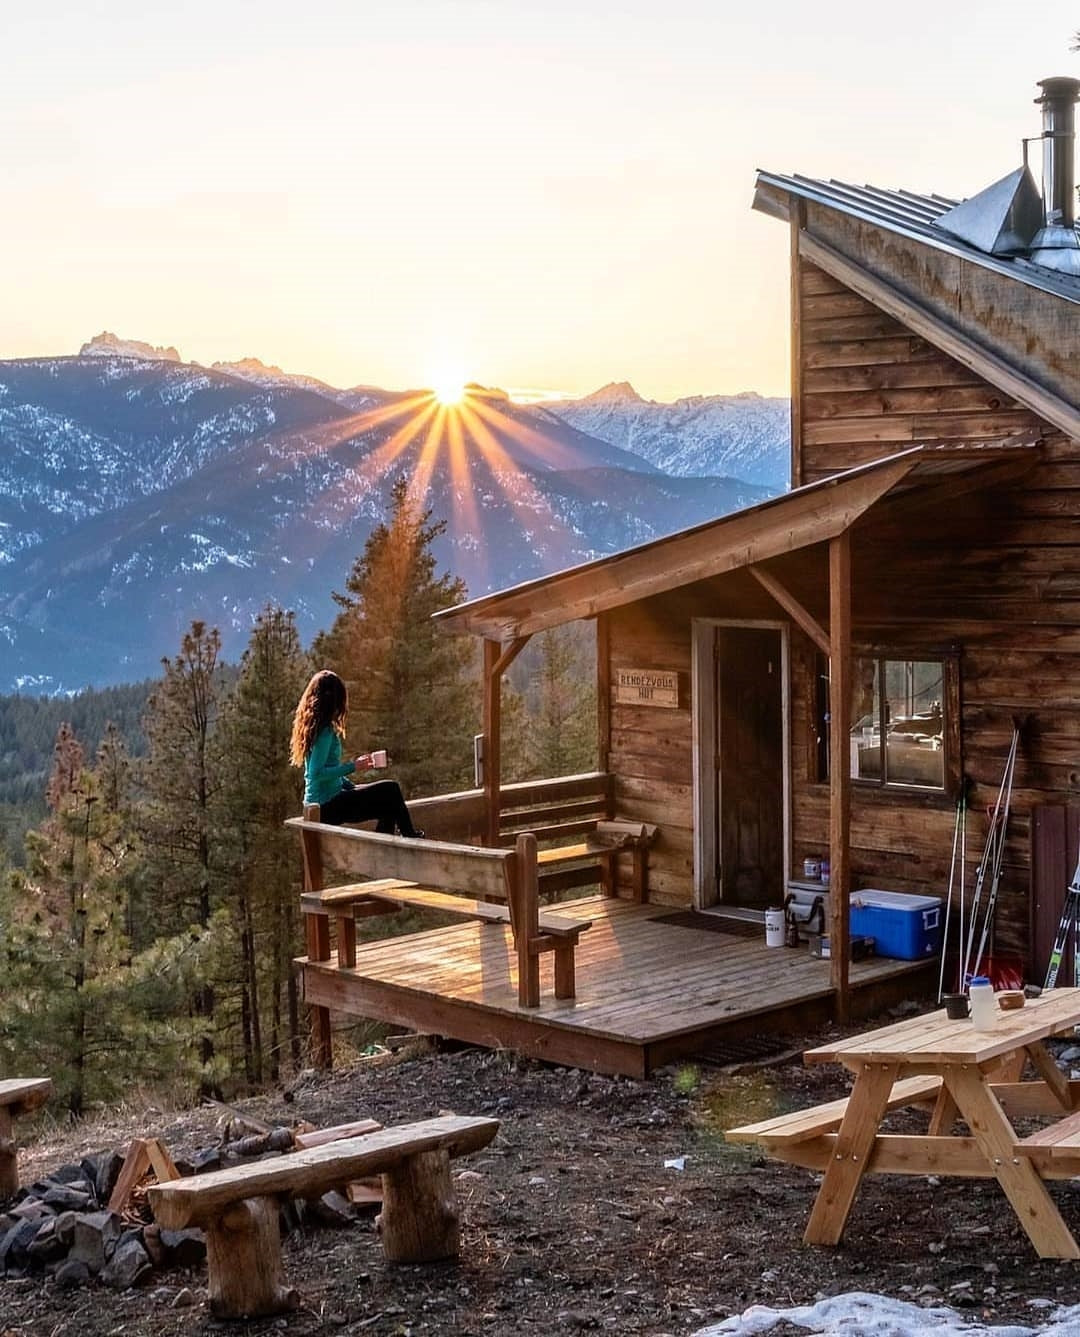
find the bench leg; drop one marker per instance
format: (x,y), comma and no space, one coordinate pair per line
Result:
(9,1170)
(243,1253)
(564,970)
(419,1219)
(317,936)
(346,941)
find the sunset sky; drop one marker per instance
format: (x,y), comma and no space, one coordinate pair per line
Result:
(529,193)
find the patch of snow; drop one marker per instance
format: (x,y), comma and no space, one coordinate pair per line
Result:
(109,345)
(860,1314)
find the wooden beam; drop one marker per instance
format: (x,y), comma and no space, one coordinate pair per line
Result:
(798,614)
(965,350)
(797,221)
(603,692)
(840,679)
(509,654)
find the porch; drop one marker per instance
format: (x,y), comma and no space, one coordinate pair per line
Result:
(650,989)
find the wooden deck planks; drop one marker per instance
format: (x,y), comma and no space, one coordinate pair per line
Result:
(639,981)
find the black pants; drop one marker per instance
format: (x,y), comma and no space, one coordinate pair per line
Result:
(382,801)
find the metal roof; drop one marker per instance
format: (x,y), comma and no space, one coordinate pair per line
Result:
(805,516)
(912,215)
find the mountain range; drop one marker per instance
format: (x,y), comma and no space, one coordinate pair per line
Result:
(139,491)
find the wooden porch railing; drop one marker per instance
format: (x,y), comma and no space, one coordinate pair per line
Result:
(552,809)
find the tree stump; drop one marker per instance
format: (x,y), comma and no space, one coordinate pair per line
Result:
(243,1253)
(419,1219)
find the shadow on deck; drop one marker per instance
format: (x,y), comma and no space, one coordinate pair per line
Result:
(649,992)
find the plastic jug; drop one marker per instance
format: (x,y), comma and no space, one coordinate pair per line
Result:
(984,1008)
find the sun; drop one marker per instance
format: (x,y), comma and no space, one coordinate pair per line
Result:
(449,388)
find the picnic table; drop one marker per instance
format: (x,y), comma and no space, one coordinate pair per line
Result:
(960,1074)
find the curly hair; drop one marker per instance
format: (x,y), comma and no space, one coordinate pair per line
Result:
(324,704)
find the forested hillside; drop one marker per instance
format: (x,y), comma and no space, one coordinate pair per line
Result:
(150,918)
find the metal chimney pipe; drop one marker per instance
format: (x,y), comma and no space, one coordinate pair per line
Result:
(1058,101)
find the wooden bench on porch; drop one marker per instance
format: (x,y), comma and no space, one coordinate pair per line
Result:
(238,1207)
(387,873)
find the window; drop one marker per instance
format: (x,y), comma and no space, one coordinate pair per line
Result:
(898,721)
(905,721)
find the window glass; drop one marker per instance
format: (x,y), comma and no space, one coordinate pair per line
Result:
(897,731)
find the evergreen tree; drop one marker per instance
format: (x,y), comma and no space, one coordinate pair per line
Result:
(562,735)
(261,790)
(412,689)
(182,777)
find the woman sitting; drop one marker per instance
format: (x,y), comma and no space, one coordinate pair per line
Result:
(318,729)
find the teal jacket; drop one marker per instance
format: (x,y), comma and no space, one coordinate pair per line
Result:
(324,771)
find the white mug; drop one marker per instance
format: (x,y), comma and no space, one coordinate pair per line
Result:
(378,759)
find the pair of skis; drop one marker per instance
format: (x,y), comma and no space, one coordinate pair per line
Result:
(1070,923)
(987,878)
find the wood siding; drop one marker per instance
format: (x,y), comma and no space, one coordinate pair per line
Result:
(992,576)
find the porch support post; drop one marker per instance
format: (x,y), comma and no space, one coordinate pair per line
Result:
(496,661)
(492,741)
(840,671)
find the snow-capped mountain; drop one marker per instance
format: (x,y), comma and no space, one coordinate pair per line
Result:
(743,435)
(138,493)
(108,345)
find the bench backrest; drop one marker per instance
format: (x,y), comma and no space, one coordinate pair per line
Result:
(469,870)
(310,1173)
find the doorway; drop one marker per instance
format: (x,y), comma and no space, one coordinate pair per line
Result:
(740,773)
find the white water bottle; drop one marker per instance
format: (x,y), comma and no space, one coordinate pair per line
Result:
(984,1008)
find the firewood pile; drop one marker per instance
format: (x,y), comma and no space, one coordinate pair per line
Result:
(93,1219)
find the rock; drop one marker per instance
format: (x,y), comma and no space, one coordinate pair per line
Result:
(332,1209)
(14,1247)
(184,1298)
(46,1246)
(281,1139)
(96,1236)
(30,1209)
(72,1273)
(206,1160)
(107,1172)
(152,1243)
(183,1248)
(128,1264)
(71,1174)
(68,1198)
(65,1228)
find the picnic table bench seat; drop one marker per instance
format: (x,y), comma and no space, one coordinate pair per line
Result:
(238,1207)
(787,1130)
(18,1096)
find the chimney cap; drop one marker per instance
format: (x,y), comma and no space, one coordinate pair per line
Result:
(1058,89)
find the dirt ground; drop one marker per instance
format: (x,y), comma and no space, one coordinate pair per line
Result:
(572,1220)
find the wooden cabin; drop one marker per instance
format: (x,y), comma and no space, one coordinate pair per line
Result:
(824,674)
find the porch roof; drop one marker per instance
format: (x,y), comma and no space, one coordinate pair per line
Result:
(808,515)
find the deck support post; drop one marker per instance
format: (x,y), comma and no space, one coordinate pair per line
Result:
(496,661)
(317,939)
(840,677)
(525,917)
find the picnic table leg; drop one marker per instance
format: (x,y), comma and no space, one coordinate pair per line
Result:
(419,1221)
(1017,1175)
(854,1143)
(317,933)
(243,1254)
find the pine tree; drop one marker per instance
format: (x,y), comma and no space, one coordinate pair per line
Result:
(412,689)
(563,730)
(182,778)
(262,789)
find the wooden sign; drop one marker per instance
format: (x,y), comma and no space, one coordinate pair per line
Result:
(647,687)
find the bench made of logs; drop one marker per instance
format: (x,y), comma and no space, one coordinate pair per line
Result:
(18,1096)
(238,1208)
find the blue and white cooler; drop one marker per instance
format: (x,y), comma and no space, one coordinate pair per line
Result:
(903,926)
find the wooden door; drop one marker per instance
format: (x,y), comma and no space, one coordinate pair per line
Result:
(750,759)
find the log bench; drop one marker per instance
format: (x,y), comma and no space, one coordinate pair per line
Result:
(18,1096)
(238,1207)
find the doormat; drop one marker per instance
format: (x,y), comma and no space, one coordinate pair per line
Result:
(732,928)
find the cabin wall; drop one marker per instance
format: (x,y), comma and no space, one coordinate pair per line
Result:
(867,386)
(994,575)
